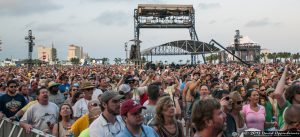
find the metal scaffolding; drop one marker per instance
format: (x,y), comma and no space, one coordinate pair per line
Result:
(181,47)
(164,16)
(30,39)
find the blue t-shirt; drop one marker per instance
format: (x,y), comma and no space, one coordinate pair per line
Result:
(64,87)
(182,86)
(147,132)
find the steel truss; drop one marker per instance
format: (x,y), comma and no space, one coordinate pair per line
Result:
(167,16)
(182,47)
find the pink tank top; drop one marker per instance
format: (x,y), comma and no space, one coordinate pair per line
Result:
(254,119)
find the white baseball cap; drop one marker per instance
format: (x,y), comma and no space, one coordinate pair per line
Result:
(125,88)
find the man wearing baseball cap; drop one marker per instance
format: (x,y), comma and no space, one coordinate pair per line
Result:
(109,123)
(131,112)
(125,90)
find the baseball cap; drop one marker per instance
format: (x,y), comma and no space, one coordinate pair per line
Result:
(130,106)
(108,95)
(124,88)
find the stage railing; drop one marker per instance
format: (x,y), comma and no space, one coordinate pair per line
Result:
(12,129)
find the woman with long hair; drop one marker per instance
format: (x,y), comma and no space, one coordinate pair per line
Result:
(166,124)
(237,106)
(254,114)
(65,121)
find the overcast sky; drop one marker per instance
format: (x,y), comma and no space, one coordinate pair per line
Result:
(103,26)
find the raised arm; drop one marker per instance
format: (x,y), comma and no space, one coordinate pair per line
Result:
(194,85)
(278,94)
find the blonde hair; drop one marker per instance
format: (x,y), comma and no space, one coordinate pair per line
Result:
(235,95)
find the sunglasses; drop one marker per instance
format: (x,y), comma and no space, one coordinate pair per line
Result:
(239,102)
(12,86)
(95,104)
(227,98)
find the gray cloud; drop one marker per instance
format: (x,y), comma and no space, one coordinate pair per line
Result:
(261,23)
(27,7)
(113,18)
(278,23)
(55,27)
(209,5)
(229,19)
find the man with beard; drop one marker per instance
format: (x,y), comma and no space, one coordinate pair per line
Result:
(41,115)
(208,118)
(55,96)
(131,112)
(109,123)
(226,106)
(11,102)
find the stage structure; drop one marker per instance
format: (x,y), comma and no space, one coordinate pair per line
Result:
(166,17)
(31,43)
(244,48)
(181,47)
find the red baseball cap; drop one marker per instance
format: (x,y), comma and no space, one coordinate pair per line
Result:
(130,106)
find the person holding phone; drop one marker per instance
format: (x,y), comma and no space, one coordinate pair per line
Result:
(226,106)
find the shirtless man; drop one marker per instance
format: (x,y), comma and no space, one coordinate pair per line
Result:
(190,92)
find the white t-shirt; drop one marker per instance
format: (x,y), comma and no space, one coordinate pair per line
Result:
(38,115)
(96,93)
(80,107)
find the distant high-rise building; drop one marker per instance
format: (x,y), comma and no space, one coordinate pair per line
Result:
(75,52)
(47,54)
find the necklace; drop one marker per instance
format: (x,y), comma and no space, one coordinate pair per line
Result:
(66,125)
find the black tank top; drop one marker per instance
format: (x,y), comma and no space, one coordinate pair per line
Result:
(163,132)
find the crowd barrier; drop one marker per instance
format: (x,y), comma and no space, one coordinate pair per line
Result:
(12,129)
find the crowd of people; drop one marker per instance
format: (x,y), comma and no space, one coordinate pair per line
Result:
(205,100)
